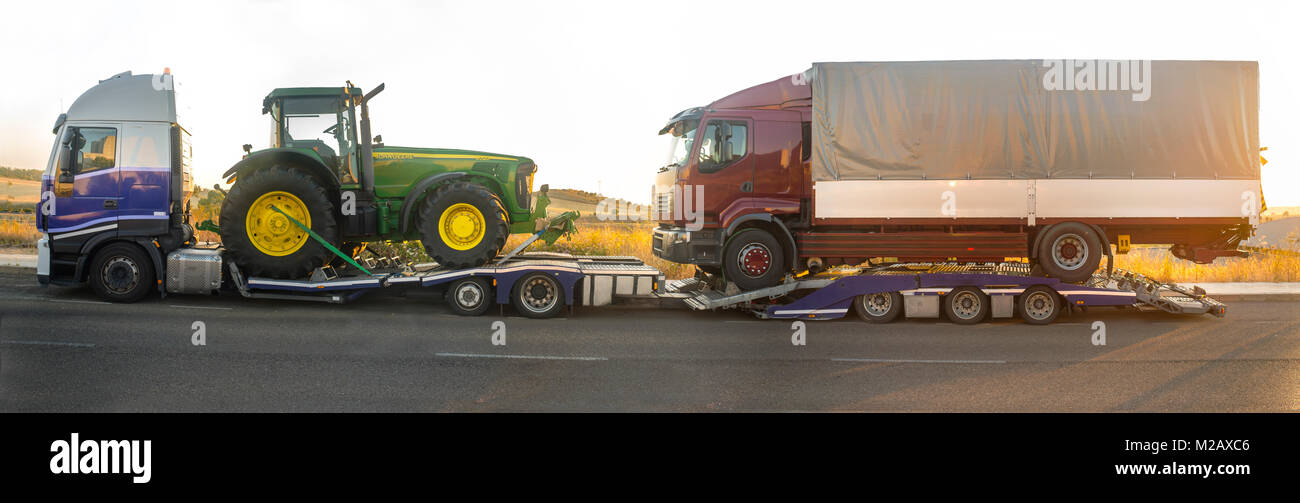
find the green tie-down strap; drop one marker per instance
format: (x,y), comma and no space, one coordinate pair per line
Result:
(323,242)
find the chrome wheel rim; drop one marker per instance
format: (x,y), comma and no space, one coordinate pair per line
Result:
(120,275)
(966,305)
(1069,251)
(469,294)
(877,304)
(1039,305)
(539,294)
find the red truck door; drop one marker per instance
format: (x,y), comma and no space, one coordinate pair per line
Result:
(724,167)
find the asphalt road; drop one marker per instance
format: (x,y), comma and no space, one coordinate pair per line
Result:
(62,350)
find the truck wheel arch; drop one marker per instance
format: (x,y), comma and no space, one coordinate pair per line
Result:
(1101,234)
(773,226)
(92,247)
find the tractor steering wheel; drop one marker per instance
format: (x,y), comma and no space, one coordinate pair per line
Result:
(331,130)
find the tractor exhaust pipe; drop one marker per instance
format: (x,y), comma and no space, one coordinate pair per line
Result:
(367,150)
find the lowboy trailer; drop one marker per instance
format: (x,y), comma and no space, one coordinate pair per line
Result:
(541,285)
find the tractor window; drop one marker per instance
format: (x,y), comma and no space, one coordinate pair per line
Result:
(96,149)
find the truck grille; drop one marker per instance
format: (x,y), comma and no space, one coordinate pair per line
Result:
(663,205)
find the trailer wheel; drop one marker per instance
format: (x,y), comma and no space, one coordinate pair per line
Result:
(538,295)
(753,259)
(469,296)
(966,305)
(1070,252)
(882,307)
(1039,305)
(121,272)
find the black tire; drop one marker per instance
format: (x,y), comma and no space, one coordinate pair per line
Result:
(247,190)
(495,230)
(469,296)
(121,272)
(753,259)
(966,305)
(1039,305)
(882,307)
(538,295)
(1070,252)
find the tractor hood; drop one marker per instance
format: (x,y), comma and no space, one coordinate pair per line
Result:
(392,153)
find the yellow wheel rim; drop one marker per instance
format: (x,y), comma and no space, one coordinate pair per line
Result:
(461,226)
(270,231)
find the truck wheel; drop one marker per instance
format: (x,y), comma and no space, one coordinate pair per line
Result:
(882,307)
(469,296)
(538,295)
(463,225)
(1070,252)
(121,272)
(753,259)
(966,305)
(265,243)
(1039,305)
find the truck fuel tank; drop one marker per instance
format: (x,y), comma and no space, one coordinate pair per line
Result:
(194,270)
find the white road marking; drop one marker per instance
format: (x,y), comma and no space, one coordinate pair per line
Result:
(525,357)
(885,360)
(52,343)
(200,307)
(61,301)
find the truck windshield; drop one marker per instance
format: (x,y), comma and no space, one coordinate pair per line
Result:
(681,139)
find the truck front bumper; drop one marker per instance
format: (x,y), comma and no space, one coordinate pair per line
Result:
(676,244)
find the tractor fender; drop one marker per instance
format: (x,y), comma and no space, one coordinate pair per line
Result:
(271,157)
(783,235)
(416,192)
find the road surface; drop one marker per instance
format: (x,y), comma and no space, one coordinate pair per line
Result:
(63,350)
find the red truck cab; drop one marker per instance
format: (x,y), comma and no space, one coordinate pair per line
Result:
(739,163)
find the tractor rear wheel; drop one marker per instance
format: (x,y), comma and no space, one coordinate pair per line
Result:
(463,225)
(266,243)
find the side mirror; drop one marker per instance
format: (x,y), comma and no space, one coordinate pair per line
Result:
(65,160)
(724,156)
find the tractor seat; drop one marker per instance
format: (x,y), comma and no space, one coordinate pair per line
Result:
(326,153)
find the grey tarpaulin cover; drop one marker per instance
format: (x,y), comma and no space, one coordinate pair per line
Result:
(997,119)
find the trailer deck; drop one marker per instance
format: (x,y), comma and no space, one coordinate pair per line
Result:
(921,290)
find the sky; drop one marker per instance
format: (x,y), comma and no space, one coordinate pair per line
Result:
(580,87)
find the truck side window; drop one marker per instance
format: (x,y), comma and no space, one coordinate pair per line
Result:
(712,143)
(94,149)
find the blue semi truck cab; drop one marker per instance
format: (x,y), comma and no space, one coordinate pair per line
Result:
(114,191)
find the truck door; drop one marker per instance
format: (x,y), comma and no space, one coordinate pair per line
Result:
(724,168)
(86,186)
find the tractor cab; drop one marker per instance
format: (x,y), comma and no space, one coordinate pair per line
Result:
(320,119)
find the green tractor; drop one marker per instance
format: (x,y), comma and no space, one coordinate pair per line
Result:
(324,170)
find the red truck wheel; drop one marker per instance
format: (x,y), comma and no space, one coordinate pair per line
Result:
(1070,252)
(753,259)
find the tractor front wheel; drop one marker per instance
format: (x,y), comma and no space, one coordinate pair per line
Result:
(463,225)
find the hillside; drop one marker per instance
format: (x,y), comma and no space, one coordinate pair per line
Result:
(584,202)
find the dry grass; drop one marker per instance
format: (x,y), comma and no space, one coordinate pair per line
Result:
(1159,264)
(18,229)
(610,238)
